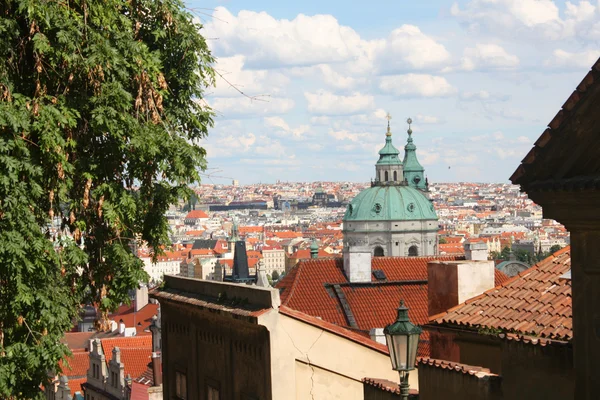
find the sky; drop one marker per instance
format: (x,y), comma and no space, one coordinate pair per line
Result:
(480,79)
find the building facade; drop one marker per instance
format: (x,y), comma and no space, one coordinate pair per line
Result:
(394,217)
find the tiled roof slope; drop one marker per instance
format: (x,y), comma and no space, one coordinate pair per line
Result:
(536,302)
(308,288)
(78,364)
(454,366)
(136,352)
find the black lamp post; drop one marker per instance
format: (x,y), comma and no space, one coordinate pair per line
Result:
(402,339)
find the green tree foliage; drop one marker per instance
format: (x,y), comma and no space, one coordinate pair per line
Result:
(100,104)
(442,240)
(554,249)
(275,275)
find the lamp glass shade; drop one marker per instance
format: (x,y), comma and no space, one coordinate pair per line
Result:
(402,339)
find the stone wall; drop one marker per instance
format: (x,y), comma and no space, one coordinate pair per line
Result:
(210,349)
(437,382)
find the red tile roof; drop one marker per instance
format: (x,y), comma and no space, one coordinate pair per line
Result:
(139,391)
(77,340)
(75,385)
(78,364)
(535,302)
(371,305)
(388,386)
(454,366)
(195,214)
(136,352)
(305,253)
(133,319)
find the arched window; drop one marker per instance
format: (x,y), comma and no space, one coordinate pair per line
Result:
(386,176)
(395,176)
(378,251)
(413,251)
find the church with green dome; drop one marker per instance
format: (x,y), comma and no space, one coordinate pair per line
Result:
(394,217)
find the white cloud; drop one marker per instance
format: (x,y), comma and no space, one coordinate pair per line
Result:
(416,85)
(479,95)
(251,82)
(564,59)
(530,19)
(285,130)
(327,103)
(426,119)
(240,106)
(407,48)
(268,42)
(487,56)
(320,120)
(344,135)
(348,166)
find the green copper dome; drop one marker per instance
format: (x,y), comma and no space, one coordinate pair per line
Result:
(390,203)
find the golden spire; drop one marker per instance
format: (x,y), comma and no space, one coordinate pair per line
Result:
(388,117)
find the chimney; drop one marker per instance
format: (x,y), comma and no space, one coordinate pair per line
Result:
(121,327)
(357,263)
(453,282)
(477,251)
(377,335)
(157,368)
(141,297)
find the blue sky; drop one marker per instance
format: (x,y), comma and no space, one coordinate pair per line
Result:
(480,79)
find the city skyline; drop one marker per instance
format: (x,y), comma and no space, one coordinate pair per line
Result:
(479,79)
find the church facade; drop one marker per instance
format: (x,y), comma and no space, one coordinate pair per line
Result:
(394,217)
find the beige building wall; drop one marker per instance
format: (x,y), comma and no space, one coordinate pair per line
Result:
(307,358)
(274,260)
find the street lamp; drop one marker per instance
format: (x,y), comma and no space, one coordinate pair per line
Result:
(402,339)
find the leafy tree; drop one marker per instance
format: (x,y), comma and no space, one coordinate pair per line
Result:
(525,256)
(100,107)
(275,275)
(442,240)
(555,248)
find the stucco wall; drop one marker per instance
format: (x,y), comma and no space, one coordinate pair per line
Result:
(340,364)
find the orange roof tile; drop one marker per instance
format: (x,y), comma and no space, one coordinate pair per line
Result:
(250,229)
(372,306)
(535,302)
(287,234)
(78,364)
(136,352)
(134,319)
(195,214)
(454,366)
(75,385)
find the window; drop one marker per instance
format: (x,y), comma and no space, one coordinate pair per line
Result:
(180,385)
(378,251)
(386,176)
(395,176)
(413,251)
